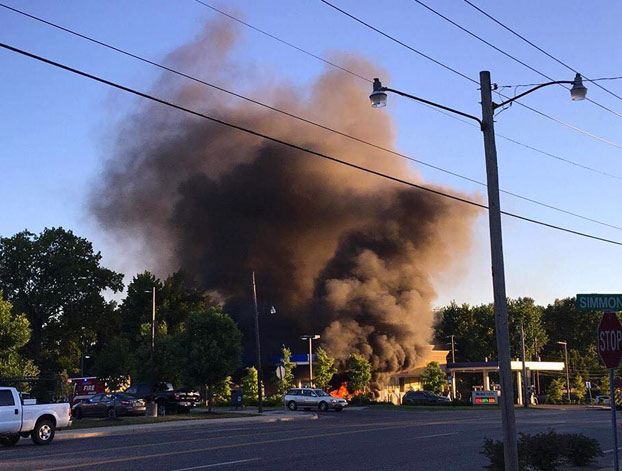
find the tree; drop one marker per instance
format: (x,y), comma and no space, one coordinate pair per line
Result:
(524,310)
(288,366)
(359,372)
(604,385)
(556,391)
(579,387)
(14,334)
(136,309)
(249,384)
(179,299)
(222,390)
(211,349)
(433,377)
(56,280)
(324,368)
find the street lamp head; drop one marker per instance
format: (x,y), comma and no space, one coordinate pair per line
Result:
(378,97)
(562,343)
(272,310)
(309,337)
(578,90)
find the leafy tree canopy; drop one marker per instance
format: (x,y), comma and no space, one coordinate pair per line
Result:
(14,334)
(56,280)
(323,368)
(433,377)
(359,371)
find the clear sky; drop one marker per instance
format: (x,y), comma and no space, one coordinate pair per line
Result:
(57,128)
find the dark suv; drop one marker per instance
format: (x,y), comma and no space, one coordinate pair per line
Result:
(167,398)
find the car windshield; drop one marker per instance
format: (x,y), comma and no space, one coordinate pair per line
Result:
(320,392)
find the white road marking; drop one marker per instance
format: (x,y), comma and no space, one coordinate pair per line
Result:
(432,436)
(216,464)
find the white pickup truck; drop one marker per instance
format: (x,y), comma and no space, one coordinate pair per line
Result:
(39,421)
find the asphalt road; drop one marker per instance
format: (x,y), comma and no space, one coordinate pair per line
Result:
(368,439)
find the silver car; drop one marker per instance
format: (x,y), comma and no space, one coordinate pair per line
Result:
(307,398)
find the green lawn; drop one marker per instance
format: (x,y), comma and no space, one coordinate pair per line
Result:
(92,422)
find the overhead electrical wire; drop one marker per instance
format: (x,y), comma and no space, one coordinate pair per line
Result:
(545,153)
(401,43)
(307,121)
(524,64)
(543,51)
(296,146)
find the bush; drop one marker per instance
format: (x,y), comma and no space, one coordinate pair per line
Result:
(545,451)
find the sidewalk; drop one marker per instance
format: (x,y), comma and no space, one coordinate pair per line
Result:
(268,416)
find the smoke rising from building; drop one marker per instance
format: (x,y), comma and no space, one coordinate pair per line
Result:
(339,252)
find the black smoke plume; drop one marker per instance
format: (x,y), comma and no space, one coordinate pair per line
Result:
(339,252)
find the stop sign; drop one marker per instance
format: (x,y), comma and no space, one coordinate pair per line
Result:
(610,339)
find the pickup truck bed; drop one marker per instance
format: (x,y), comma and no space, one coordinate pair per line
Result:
(39,421)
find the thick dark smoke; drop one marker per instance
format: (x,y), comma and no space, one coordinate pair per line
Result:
(338,251)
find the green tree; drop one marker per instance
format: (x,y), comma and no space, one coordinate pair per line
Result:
(14,334)
(323,368)
(137,308)
(222,390)
(433,377)
(604,385)
(579,387)
(211,349)
(249,385)
(288,366)
(359,374)
(531,315)
(564,322)
(56,280)
(556,391)
(179,298)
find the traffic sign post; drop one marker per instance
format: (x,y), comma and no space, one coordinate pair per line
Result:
(609,335)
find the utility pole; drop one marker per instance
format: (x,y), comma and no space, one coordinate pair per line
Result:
(565,344)
(259,371)
(525,386)
(453,350)
(310,338)
(508,419)
(153,316)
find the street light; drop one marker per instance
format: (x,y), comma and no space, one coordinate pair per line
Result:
(565,344)
(310,338)
(578,91)
(258,346)
(153,315)
(82,358)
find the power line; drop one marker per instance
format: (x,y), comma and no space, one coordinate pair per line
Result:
(542,50)
(524,64)
(307,121)
(296,146)
(281,40)
(544,115)
(571,162)
(464,76)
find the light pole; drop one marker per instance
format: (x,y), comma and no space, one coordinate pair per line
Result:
(258,347)
(453,349)
(378,99)
(310,338)
(153,316)
(82,358)
(565,344)
(522,347)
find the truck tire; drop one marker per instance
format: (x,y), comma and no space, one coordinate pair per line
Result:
(161,409)
(77,413)
(9,440)
(43,433)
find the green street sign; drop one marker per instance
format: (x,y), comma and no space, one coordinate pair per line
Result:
(599,302)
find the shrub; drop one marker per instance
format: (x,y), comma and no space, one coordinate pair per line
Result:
(545,451)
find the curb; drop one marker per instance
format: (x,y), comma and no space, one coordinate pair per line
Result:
(69,434)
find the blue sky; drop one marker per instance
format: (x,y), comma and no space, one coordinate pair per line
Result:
(58,128)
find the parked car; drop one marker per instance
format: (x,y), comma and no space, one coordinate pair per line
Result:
(603,400)
(307,398)
(422,398)
(39,421)
(166,396)
(104,405)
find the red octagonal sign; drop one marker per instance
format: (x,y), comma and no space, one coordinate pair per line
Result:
(610,339)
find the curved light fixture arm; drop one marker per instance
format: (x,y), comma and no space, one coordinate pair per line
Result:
(431,103)
(542,85)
